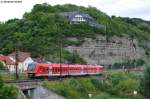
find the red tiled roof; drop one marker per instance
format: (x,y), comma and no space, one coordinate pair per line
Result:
(22,56)
(6,60)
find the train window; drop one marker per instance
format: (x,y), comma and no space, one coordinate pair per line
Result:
(71,69)
(51,69)
(40,69)
(54,69)
(62,69)
(66,70)
(32,66)
(44,69)
(47,70)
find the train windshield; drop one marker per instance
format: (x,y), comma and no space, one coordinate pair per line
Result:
(31,67)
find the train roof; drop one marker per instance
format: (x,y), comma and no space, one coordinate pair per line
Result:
(66,65)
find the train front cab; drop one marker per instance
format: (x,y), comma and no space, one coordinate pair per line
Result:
(36,70)
(31,70)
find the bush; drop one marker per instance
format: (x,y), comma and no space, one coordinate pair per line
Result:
(121,84)
(126,87)
(97,83)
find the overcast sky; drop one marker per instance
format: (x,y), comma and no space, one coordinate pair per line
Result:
(125,8)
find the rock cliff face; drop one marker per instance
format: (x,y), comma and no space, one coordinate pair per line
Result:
(100,51)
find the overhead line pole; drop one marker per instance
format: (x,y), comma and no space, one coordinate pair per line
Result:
(60,51)
(60,61)
(16,63)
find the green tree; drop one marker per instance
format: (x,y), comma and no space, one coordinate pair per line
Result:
(1,82)
(7,91)
(2,66)
(147,81)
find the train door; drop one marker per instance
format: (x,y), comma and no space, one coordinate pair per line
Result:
(50,70)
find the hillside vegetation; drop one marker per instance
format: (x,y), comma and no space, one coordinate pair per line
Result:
(116,85)
(141,24)
(42,31)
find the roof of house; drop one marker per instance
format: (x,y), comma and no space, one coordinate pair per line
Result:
(38,59)
(6,60)
(70,15)
(22,56)
(89,19)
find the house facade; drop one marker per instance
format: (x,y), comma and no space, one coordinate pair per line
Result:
(8,63)
(77,17)
(24,58)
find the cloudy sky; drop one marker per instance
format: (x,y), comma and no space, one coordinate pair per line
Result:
(125,8)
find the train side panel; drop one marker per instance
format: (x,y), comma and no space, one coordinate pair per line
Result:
(74,70)
(55,70)
(59,69)
(42,70)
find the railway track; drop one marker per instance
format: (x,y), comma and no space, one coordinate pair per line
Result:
(40,80)
(30,81)
(22,81)
(58,78)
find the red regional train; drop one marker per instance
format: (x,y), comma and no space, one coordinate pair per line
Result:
(36,70)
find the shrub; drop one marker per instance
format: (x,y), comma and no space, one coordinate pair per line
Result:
(97,83)
(126,87)
(120,83)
